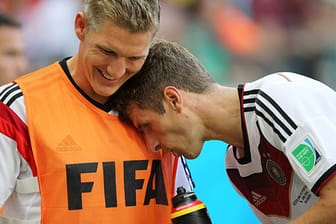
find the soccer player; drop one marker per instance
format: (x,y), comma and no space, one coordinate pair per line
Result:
(64,155)
(280,130)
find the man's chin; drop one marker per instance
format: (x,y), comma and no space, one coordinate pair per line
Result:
(190,156)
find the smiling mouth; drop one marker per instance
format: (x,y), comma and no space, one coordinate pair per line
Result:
(106,76)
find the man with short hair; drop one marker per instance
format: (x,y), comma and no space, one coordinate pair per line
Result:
(64,155)
(280,130)
(13,59)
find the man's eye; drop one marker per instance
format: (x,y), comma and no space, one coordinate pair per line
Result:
(142,127)
(107,52)
(135,58)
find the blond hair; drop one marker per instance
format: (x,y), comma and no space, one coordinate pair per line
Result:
(135,15)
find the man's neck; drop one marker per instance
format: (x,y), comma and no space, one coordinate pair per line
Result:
(221,115)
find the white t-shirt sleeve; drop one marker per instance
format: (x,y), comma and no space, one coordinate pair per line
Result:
(309,148)
(311,151)
(9,167)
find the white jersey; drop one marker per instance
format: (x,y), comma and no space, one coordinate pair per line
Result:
(288,124)
(19,191)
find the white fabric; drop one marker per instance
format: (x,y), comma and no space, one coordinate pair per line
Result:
(5,220)
(296,115)
(26,186)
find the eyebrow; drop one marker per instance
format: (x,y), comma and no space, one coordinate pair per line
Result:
(108,50)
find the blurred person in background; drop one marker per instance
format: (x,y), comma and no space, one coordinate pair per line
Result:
(322,38)
(297,35)
(261,36)
(285,21)
(199,34)
(281,156)
(16,8)
(217,32)
(13,58)
(45,45)
(65,157)
(50,44)
(201,39)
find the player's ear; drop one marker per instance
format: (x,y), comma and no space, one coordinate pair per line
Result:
(80,25)
(173,98)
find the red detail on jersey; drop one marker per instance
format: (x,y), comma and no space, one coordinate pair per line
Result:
(13,127)
(324,183)
(260,189)
(285,77)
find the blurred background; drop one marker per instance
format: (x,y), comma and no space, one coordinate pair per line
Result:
(236,40)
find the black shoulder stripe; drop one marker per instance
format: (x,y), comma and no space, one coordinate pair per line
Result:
(8,88)
(251,92)
(270,108)
(13,98)
(8,92)
(7,96)
(260,114)
(276,106)
(249,109)
(251,100)
(274,117)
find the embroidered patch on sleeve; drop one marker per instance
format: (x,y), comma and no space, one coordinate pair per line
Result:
(307,155)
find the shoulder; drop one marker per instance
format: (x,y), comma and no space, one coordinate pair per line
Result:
(12,101)
(289,91)
(282,102)
(278,83)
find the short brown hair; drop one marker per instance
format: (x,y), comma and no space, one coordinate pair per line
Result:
(167,64)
